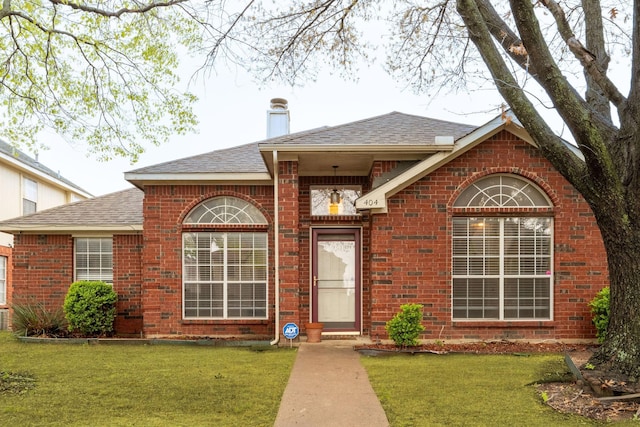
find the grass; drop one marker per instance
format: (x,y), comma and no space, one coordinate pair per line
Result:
(467,390)
(142,385)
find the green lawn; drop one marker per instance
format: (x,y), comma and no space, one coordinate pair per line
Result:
(178,385)
(143,385)
(466,390)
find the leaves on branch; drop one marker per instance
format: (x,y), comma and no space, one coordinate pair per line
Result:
(98,75)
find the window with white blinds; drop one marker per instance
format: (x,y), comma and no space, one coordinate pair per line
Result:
(502,266)
(94,259)
(225,273)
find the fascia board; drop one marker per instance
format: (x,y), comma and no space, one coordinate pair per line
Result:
(64,229)
(365,148)
(43,176)
(246,178)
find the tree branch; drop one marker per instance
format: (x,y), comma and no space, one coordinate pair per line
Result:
(549,143)
(116,13)
(594,63)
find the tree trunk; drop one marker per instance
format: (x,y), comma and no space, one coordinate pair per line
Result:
(620,352)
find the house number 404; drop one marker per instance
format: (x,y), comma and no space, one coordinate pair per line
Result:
(371,202)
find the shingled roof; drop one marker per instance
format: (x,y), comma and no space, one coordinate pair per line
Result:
(389,129)
(13,153)
(245,158)
(121,210)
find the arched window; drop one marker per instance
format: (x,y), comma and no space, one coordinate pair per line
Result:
(502,191)
(225,210)
(502,264)
(224,272)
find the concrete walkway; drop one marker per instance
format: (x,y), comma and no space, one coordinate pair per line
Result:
(329,387)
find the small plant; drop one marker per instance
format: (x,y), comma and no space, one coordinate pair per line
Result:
(600,311)
(545,396)
(589,366)
(90,307)
(405,327)
(35,318)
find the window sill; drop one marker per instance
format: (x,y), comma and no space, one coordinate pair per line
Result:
(225,321)
(501,324)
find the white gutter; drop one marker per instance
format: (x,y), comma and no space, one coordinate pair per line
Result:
(276,249)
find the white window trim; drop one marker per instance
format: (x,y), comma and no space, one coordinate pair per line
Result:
(75,267)
(225,281)
(29,194)
(501,278)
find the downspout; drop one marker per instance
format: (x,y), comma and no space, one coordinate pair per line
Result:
(276,246)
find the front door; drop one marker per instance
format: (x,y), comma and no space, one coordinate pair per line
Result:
(335,287)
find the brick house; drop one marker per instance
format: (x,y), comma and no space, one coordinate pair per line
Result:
(26,186)
(339,225)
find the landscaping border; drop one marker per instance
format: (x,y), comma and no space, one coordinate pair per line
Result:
(147,341)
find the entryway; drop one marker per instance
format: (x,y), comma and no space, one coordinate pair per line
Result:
(336,274)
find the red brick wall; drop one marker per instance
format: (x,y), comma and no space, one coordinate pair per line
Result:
(6,252)
(43,272)
(411,248)
(291,296)
(127,282)
(165,207)
(42,269)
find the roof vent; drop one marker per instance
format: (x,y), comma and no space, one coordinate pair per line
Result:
(444,140)
(278,118)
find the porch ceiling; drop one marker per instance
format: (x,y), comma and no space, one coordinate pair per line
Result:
(349,163)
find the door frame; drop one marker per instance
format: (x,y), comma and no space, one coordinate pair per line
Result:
(313,291)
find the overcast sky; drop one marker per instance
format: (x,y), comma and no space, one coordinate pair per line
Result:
(232,111)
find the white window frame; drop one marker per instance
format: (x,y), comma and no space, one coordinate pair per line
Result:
(209,260)
(486,261)
(480,267)
(3,279)
(29,196)
(214,263)
(98,258)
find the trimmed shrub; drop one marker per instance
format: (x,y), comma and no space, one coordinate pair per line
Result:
(600,310)
(34,319)
(90,307)
(405,327)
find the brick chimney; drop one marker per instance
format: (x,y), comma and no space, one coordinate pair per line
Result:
(278,118)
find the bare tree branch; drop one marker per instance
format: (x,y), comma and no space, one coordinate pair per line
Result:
(116,13)
(595,65)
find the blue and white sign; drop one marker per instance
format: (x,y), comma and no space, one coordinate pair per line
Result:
(290,331)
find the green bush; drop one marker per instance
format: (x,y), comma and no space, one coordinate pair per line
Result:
(405,327)
(600,310)
(90,307)
(34,318)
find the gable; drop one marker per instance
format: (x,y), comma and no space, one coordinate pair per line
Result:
(376,200)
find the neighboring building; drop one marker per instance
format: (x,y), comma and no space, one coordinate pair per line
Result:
(340,225)
(26,186)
